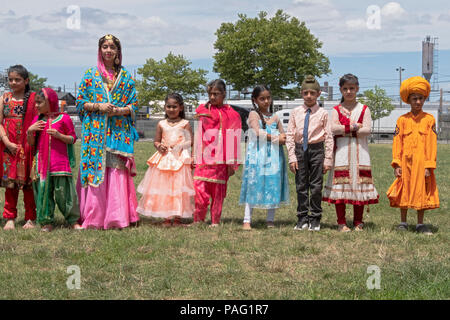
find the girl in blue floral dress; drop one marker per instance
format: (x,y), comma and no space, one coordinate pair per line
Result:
(265,181)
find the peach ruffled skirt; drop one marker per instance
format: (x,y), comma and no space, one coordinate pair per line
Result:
(167,188)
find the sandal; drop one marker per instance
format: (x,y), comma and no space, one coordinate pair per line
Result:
(167,223)
(177,221)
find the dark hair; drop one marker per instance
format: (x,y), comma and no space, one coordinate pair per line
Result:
(219,84)
(255,94)
(117,44)
(23,72)
(348,78)
(179,99)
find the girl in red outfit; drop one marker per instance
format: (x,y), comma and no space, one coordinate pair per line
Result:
(17,110)
(218,137)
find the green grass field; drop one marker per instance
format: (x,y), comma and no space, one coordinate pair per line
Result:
(152,262)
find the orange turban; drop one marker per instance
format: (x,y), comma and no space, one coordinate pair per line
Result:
(414,85)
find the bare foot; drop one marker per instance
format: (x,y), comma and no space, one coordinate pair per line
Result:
(29,225)
(196,223)
(47,228)
(246,226)
(76,226)
(9,225)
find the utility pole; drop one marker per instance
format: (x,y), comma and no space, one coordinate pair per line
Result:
(400,69)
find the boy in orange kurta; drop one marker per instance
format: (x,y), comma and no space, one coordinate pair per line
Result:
(414,156)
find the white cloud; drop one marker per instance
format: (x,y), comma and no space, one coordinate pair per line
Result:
(51,28)
(393,10)
(356,24)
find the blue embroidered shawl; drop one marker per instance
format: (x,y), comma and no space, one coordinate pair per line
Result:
(101,133)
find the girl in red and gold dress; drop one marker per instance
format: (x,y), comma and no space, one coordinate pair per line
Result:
(17,110)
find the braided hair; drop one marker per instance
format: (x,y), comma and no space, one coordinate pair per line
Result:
(255,94)
(23,73)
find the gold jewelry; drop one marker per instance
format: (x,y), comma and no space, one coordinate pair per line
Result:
(109,37)
(117,61)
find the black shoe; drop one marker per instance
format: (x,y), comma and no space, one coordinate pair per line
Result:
(424,230)
(302,224)
(314,224)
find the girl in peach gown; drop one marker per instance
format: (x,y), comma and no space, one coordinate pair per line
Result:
(167,188)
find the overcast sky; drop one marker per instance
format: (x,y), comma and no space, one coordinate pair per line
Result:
(35,33)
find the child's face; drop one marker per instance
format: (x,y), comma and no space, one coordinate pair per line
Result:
(349,91)
(109,51)
(216,96)
(16,82)
(42,105)
(264,100)
(310,97)
(416,101)
(173,108)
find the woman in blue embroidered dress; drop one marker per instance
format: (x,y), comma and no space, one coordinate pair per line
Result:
(106,104)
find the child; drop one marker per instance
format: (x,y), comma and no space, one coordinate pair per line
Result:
(167,188)
(350,180)
(17,111)
(265,183)
(414,156)
(217,147)
(310,145)
(53,134)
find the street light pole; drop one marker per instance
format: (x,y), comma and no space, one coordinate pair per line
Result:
(400,69)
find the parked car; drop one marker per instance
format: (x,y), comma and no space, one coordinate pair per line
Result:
(243,112)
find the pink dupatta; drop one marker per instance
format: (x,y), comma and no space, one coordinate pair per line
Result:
(44,147)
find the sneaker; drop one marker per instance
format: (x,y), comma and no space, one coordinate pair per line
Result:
(359,227)
(246,226)
(402,227)
(343,228)
(424,230)
(314,224)
(302,224)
